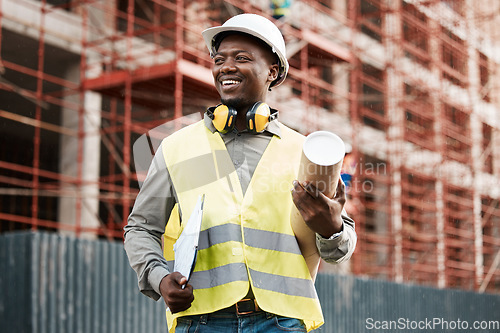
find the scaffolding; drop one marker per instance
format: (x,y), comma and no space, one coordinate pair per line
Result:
(410,84)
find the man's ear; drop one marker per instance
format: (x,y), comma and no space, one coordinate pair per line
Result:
(273,72)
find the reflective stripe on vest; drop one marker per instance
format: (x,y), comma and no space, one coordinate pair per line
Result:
(285,285)
(219,275)
(244,238)
(270,240)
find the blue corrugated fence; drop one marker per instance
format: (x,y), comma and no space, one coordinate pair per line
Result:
(355,305)
(52,284)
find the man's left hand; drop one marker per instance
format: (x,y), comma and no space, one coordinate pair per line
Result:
(321,214)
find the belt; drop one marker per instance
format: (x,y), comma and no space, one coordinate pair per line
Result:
(243,307)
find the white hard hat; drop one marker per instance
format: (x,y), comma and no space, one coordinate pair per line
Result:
(256,26)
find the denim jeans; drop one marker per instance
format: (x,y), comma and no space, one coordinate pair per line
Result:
(221,322)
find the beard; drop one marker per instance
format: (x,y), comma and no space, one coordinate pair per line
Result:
(237,103)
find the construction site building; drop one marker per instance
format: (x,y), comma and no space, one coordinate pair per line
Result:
(88,89)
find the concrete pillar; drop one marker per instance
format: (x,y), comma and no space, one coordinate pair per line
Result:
(88,191)
(476,133)
(80,207)
(395,131)
(476,149)
(439,188)
(496,151)
(494,67)
(440,246)
(341,82)
(340,6)
(439,142)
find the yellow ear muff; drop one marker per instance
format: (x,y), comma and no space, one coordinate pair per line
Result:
(224,118)
(258,117)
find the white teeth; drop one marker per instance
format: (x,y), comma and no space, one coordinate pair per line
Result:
(228,82)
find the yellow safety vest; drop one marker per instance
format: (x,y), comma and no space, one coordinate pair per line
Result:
(245,239)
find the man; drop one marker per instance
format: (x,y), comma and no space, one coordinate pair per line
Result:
(250,274)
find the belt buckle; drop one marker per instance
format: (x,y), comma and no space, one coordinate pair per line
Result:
(256,307)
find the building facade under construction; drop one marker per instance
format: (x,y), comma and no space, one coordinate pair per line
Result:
(413,86)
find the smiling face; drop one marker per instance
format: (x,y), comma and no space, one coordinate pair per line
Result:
(243,71)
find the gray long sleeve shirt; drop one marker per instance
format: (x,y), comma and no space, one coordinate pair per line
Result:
(157,197)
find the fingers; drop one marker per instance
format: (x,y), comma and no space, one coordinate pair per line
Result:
(180,279)
(183,301)
(309,200)
(320,213)
(340,195)
(301,196)
(307,187)
(176,298)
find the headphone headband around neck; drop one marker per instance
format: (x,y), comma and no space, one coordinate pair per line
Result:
(258,117)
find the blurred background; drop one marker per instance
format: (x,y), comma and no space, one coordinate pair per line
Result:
(412,86)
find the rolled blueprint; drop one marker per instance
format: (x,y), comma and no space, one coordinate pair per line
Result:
(322,156)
